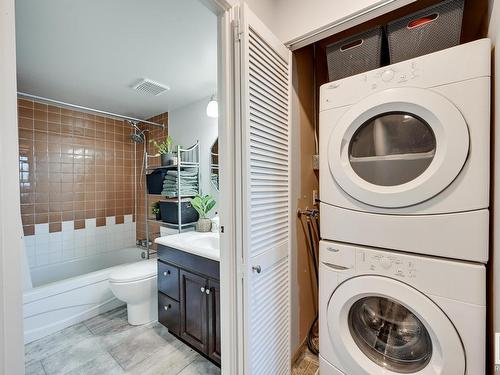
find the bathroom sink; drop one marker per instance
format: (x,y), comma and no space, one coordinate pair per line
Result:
(208,242)
(202,244)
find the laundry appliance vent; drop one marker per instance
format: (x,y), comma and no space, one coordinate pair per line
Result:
(150,87)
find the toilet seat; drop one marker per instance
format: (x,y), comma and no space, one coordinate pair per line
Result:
(135,272)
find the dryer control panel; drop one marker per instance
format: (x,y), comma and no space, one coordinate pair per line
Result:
(386,264)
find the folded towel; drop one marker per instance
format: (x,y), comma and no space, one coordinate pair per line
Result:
(184,192)
(184,173)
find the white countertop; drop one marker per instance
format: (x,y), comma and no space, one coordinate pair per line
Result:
(205,245)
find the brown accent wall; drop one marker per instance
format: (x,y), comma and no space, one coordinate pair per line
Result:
(73,166)
(158,134)
(308,178)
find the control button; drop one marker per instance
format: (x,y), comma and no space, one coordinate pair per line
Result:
(403,78)
(374,86)
(388,75)
(385,263)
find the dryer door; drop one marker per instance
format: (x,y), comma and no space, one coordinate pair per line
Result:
(398,147)
(378,325)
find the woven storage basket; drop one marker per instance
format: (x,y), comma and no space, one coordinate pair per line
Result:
(432,29)
(354,55)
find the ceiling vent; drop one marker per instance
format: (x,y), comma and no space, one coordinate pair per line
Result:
(150,87)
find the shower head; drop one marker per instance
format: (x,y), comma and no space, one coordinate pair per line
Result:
(138,135)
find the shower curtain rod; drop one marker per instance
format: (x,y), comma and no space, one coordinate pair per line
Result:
(64,104)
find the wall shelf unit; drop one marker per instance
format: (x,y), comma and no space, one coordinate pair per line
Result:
(187,159)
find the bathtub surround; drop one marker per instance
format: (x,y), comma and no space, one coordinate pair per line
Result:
(73,166)
(159,135)
(46,248)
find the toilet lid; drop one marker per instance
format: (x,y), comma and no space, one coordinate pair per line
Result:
(135,271)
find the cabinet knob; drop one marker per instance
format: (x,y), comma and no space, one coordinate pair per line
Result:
(207,291)
(257,269)
(166,273)
(166,308)
(202,289)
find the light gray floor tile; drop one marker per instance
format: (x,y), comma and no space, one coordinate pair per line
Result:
(101,365)
(139,347)
(109,322)
(107,344)
(200,366)
(73,357)
(165,361)
(34,368)
(52,344)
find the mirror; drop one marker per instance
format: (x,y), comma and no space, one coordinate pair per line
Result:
(214,164)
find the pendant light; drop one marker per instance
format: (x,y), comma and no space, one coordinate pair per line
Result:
(213,107)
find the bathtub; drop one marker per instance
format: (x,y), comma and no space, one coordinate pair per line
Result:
(70,292)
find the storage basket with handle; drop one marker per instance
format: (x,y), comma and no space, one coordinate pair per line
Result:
(355,54)
(429,30)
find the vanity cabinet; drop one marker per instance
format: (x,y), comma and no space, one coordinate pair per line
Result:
(189,299)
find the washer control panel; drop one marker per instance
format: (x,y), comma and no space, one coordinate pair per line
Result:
(387,264)
(392,75)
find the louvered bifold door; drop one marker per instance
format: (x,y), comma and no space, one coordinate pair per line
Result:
(264,121)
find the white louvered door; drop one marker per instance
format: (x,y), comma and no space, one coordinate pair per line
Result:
(263,122)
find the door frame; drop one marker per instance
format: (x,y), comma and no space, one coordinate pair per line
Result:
(11,316)
(11,308)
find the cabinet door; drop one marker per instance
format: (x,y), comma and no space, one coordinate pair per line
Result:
(194,308)
(214,320)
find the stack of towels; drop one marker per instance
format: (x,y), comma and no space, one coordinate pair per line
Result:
(189,183)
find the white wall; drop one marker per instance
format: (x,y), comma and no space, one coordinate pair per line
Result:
(494,34)
(189,124)
(11,325)
(291,20)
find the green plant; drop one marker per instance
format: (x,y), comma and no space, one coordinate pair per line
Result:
(203,205)
(164,147)
(155,209)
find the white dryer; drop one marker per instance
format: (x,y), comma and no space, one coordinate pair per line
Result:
(388,313)
(405,155)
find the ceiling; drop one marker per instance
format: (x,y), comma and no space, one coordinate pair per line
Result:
(90,52)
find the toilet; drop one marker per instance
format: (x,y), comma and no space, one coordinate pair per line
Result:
(135,284)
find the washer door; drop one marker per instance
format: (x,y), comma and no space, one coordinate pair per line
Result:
(398,147)
(378,325)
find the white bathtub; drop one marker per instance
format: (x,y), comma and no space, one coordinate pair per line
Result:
(70,292)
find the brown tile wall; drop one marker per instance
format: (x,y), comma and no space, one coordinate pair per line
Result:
(73,166)
(158,134)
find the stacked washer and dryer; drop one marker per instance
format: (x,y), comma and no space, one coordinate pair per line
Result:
(404,190)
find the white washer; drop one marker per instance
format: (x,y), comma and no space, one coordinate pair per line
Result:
(388,313)
(405,151)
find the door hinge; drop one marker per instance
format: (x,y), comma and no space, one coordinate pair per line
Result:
(237,31)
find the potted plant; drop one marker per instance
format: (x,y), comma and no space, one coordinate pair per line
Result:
(155,210)
(203,205)
(165,150)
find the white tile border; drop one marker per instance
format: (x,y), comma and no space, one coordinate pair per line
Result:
(44,248)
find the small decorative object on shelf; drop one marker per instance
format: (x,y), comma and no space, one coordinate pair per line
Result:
(155,210)
(164,148)
(203,204)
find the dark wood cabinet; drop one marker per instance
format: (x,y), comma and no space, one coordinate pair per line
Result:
(189,299)
(214,323)
(194,327)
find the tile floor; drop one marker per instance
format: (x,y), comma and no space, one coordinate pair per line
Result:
(108,345)
(307,364)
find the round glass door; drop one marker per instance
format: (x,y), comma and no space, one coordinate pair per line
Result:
(377,325)
(392,149)
(398,147)
(390,334)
